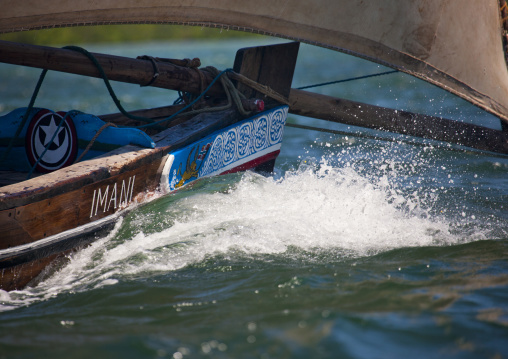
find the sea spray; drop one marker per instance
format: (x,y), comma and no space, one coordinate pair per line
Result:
(318,208)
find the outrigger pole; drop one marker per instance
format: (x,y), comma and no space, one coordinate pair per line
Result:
(359,114)
(193,80)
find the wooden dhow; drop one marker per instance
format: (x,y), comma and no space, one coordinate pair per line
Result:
(457,46)
(67,202)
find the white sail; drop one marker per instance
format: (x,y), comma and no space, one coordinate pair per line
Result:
(456,45)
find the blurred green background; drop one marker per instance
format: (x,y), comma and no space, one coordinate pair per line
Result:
(119,33)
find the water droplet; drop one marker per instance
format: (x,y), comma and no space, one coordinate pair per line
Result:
(252,326)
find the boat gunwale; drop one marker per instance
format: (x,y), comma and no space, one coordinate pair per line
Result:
(112,163)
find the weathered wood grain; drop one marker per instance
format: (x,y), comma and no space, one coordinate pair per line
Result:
(117,68)
(363,115)
(83,194)
(17,277)
(272,66)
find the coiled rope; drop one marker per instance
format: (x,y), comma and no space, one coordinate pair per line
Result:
(230,90)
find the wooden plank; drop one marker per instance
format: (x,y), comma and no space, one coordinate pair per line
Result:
(97,200)
(153,113)
(19,276)
(272,66)
(13,233)
(119,161)
(117,68)
(363,115)
(11,177)
(133,177)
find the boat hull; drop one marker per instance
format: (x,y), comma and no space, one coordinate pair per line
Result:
(50,216)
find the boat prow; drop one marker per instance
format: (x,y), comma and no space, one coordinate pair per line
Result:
(54,213)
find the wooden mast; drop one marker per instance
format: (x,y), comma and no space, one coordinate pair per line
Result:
(116,68)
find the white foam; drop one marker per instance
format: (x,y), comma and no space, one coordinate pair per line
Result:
(316,208)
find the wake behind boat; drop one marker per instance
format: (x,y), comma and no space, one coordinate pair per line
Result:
(85,171)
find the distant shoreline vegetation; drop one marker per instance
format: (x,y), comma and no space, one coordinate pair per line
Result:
(120,33)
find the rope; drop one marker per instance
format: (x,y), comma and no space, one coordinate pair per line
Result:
(228,87)
(194,112)
(107,83)
(92,141)
(155,69)
(232,93)
(344,133)
(447,147)
(346,80)
(265,90)
(25,116)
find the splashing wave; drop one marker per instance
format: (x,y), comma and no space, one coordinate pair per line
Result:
(317,208)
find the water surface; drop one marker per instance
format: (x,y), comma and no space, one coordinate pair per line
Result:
(353,248)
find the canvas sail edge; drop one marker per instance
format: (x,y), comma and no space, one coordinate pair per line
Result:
(457,46)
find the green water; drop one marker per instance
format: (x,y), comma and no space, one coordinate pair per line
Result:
(354,248)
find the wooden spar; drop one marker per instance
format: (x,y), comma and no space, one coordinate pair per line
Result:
(359,114)
(301,102)
(363,115)
(117,68)
(139,71)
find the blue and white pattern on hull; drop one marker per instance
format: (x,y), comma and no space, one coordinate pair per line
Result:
(226,149)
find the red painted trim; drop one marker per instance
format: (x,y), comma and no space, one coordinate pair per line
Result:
(254,163)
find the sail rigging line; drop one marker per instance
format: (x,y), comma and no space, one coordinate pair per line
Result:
(448,146)
(108,84)
(25,116)
(349,79)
